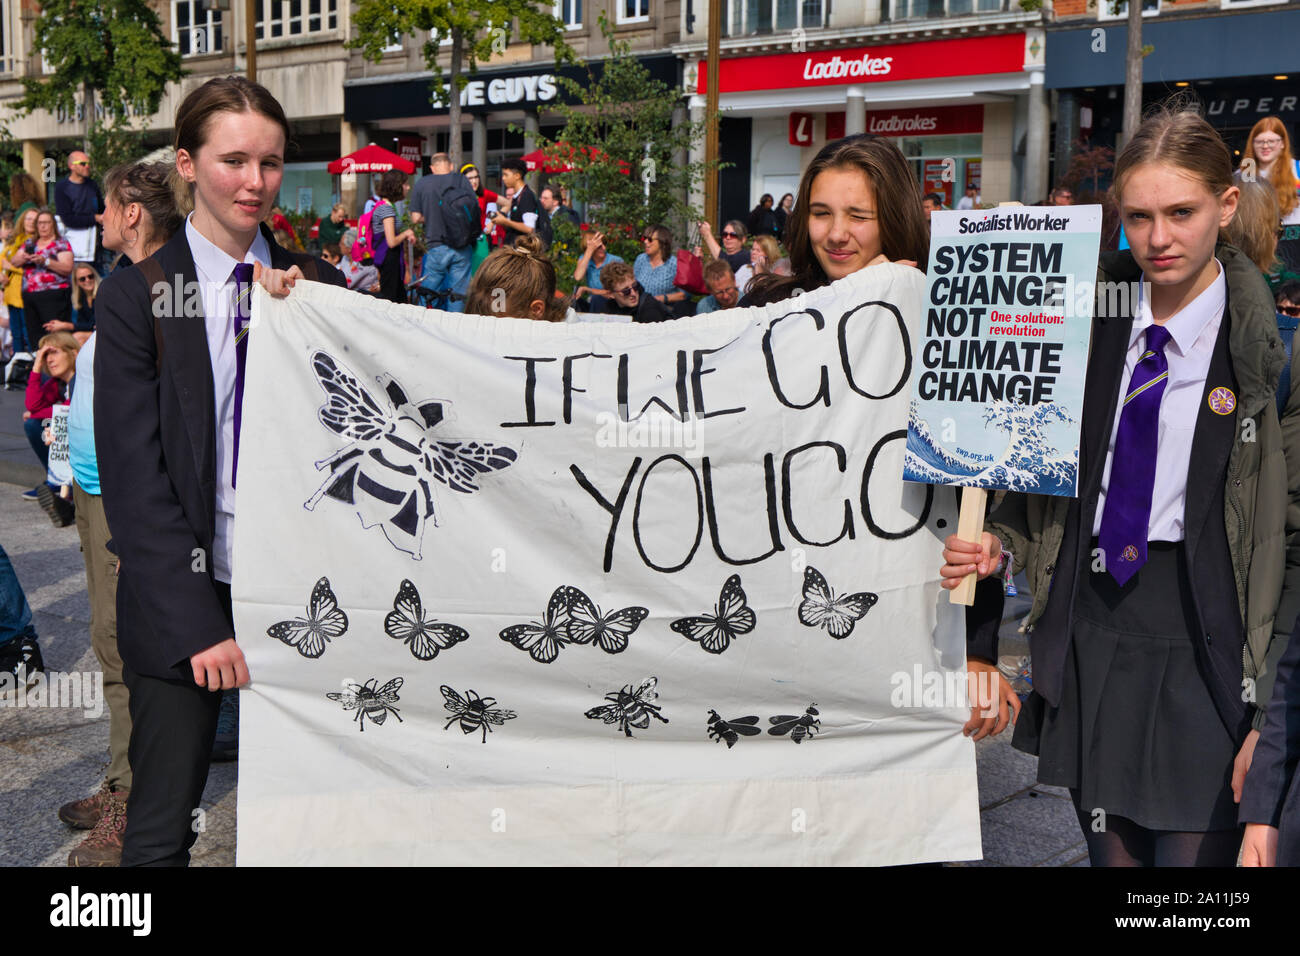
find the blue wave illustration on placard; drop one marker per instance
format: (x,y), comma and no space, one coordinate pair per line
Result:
(1028,463)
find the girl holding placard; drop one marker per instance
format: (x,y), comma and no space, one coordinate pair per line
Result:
(1163,594)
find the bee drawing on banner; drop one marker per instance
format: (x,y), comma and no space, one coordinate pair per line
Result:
(731,618)
(473,712)
(630,708)
(732,730)
(324,622)
(386,470)
(424,636)
(821,608)
(798,726)
(609,631)
(543,639)
(369,701)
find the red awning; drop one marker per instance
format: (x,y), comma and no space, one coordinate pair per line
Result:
(371,159)
(537,159)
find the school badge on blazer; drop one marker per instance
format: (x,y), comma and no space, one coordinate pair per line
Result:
(1222,400)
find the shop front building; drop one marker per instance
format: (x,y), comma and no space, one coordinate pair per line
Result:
(958,106)
(502,109)
(1238,63)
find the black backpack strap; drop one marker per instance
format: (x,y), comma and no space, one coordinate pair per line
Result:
(152,271)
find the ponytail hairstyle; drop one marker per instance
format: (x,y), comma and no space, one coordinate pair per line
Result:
(899,215)
(1177,135)
(1254,229)
(511,278)
(153,186)
(1281,176)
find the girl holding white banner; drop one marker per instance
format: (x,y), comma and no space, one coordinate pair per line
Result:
(1163,594)
(169,365)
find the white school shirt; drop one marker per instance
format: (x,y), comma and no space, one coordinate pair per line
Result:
(215,272)
(1193,332)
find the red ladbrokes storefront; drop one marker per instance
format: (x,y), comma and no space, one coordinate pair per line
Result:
(957,108)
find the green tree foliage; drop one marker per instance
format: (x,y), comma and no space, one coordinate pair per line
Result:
(477,29)
(618,136)
(113,52)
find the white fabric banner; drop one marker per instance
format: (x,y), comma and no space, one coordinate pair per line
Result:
(82,242)
(490,621)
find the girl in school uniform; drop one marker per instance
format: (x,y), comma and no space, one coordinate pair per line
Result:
(167,407)
(1163,594)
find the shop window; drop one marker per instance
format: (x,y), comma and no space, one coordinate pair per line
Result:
(746,17)
(195,31)
(633,11)
(287,18)
(1105,11)
(569,12)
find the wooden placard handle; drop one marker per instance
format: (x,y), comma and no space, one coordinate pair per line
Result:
(970,524)
(970,527)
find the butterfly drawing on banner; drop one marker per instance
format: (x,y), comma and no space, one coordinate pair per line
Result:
(386,470)
(630,708)
(324,622)
(609,631)
(731,618)
(543,639)
(821,608)
(732,730)
(369,701)
(424,636)
(473,712)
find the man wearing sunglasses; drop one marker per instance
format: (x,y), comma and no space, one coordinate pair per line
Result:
(80,205)
(626,297)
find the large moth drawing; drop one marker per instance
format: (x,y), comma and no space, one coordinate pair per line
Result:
(385,470)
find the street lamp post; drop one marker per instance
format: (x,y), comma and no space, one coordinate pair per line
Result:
(711,113)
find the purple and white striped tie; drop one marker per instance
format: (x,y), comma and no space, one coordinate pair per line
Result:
(1125,522)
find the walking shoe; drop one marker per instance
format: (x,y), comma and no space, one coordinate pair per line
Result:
(226,745)
(32,494)
(20,662)
(103,847)
(83,814)
(59,509)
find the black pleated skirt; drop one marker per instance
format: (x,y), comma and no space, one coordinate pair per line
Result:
(1136,733)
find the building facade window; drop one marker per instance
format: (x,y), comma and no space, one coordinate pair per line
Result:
(195,31)
(936,9)
(746,17)
(632,11)
(1149,9)
(569,12)
(277,19)
(8,55)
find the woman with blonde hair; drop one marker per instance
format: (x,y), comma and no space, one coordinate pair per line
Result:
(24,229)
(1268,148)
(1254,229)
(517,281)
(1164,593)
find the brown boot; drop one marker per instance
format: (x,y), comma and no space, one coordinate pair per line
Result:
(104,845)
(84,814)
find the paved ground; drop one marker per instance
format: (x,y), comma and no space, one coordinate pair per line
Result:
(51,756)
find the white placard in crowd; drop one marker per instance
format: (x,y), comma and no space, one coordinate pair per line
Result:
(59,468)
(82,242)
(491,621)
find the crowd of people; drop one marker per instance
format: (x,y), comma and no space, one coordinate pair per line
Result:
(1137,704)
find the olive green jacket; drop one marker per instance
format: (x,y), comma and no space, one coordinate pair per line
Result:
(1261,495)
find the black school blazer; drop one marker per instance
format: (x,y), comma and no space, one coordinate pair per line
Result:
(156,441)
